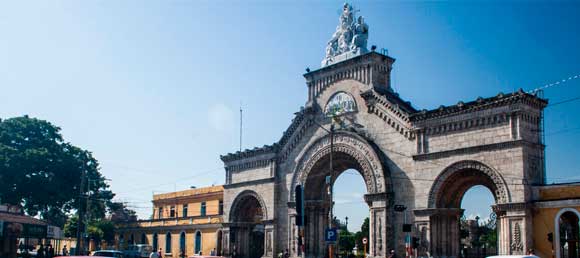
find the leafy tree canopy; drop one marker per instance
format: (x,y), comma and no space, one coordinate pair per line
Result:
(364,232)
(42,172)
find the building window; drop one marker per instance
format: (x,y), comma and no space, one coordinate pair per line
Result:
(160,213)
(168,243)
(172,212)
(184,213)
(155,241)
(182,244)
(221,208)
(197,242)
(143,239)
(203,209)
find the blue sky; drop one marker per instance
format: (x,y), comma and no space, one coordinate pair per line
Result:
(153,88)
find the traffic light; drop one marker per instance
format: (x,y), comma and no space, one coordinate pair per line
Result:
(414,242)
(299,205)
(551,237)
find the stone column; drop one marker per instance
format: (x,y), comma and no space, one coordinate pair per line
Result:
(514,227)
(423,231)
(316,222)
(445,234)
(380,224)
(292,234)
(226,241)
(269,245)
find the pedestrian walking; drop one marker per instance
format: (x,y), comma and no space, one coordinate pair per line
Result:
(64,251)
(46,252)
(51,250)
(40,251)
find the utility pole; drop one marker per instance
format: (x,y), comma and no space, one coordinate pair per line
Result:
(241,127)
(80,213)
(330,186)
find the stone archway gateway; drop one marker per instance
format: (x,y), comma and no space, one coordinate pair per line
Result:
(424,160)
(350,151)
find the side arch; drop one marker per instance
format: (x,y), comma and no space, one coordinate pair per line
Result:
(468,171)
(362,152)
(239,201)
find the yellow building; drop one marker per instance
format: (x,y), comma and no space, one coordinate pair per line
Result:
(183,223)
(555,219)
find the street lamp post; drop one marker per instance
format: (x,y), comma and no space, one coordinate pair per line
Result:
(331,173)
(329,181)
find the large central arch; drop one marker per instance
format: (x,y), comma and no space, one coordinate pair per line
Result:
(350,151)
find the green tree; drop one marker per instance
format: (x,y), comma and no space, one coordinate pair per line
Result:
(346,241)
(101,229)
(42,172)
(364,232)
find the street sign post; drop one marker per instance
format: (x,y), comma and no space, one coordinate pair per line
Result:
(365,241)
(331,235)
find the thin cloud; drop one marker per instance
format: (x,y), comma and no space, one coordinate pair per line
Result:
(221,118)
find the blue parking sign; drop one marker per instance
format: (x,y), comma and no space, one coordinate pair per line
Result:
(331,235)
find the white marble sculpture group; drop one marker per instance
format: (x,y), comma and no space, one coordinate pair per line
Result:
(349,39)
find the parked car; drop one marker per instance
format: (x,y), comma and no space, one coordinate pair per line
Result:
(138,251)
(73,257)
(513,256)
(109,253)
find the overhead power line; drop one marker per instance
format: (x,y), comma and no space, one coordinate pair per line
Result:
(554,84)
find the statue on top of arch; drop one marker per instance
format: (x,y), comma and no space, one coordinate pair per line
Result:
(349,39)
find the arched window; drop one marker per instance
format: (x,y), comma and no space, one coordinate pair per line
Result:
(197,242)
(155,245)
(168,242)
(132,239)
(567,233)
(143,238)
(182,243)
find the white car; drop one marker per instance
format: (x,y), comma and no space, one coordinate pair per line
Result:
(109,253)
(513,256)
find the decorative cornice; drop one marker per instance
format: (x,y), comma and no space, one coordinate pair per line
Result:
(387,197)
(260,163)
(480,104)
(467,124)
(250,183)
(557,203)
(294,133)
(475,149)
(266,149)
(391,111)
(514,206)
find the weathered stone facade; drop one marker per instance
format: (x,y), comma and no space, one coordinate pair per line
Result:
(423,159)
